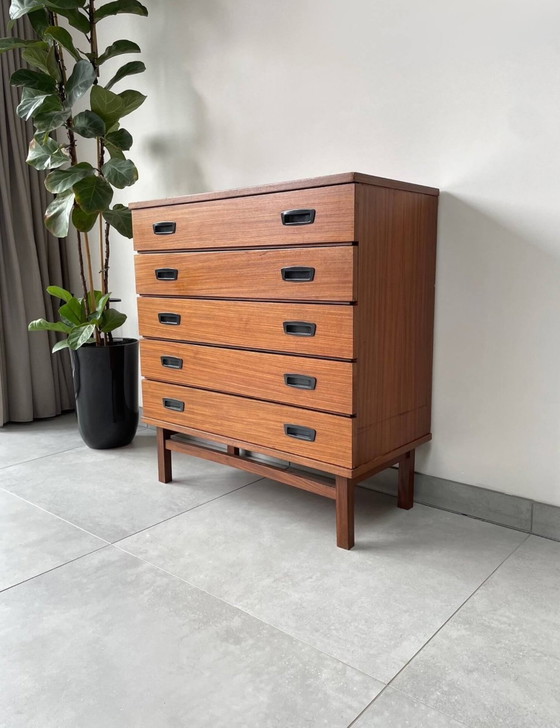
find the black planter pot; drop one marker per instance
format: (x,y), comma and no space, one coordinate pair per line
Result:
(106,389)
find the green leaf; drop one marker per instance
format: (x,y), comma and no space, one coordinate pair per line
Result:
(51,115)
(88,124)
(131,101)
(36,56)
(31,101)
(93,194)
(63,37)
(59,292)
(39,20)
(77,20)
(80,336)
(73,311)
(9,44)
(129,69)
(80,81)
(33,79)
(121,138)
(62,180)
(102,302)
(44,325)
(57,214)
(120,6)
(111,320)
(114,151)
(52,65)
(60,345)
(19,8)
(64,4)
(107,105)
(46,153)
(118,48)
(120,218)
(83,221)
(120,172)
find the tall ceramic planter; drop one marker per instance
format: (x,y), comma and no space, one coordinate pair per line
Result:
(106,389)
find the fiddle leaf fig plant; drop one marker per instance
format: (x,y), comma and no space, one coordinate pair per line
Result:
(65,69)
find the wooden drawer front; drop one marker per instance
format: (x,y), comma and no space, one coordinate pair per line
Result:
(314,274)
(257,422)
(251,325)
(248,221)
(315,383)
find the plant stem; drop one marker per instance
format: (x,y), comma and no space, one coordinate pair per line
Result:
(107,254)
(101,256)
(82,274)
(90,273)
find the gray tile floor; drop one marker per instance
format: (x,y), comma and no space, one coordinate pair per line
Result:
(221,600)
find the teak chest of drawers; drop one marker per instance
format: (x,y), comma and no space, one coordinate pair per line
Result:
(293,320)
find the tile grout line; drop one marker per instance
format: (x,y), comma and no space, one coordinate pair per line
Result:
(435,635)
(182,513)
(54,568)
(42,457)
(249,614)
(60,518)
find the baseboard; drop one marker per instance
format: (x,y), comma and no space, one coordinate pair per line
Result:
(523,514)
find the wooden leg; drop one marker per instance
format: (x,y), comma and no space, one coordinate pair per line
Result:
(405,498)
(164,456)
(232,450)
(344,513)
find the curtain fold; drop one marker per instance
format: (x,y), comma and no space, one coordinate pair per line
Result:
(33,383)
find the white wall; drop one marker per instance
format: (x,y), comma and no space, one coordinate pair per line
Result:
(459,95)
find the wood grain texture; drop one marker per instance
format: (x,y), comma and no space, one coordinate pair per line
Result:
(164,456)
(252,374)
(394,317)
(251,273)
(312,483)
(249,221)
(253,421)
(308,183)
(252,325)
(344,513)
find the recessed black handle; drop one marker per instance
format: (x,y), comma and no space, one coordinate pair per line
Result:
(171,319)
(164,228)
(298,274)
(300,432)
(300,381)
(299,328)
(171,362)
(173,404)
(297,217)
(167,274)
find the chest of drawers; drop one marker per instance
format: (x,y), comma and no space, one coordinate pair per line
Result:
(295,321)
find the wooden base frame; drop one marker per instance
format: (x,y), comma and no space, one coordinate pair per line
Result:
(342,491)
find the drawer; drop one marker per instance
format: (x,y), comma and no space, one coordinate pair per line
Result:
(315,383)
(305,273)
(251,221)
(329,437)
(300,328)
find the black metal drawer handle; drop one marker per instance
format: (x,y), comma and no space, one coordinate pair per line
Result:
(299,328)
(171,362)
(167,274)
(164,228)
(298,274)
(171,319)
(173,404)
(300,381)
(297,217)
(300,432)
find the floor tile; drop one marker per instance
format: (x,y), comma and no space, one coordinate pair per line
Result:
(114,493)
(497,662)
(395,710)
(109,641)
(31,440)
(270,549)
(32,541)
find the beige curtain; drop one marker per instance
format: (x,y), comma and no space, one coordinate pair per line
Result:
(33,383)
